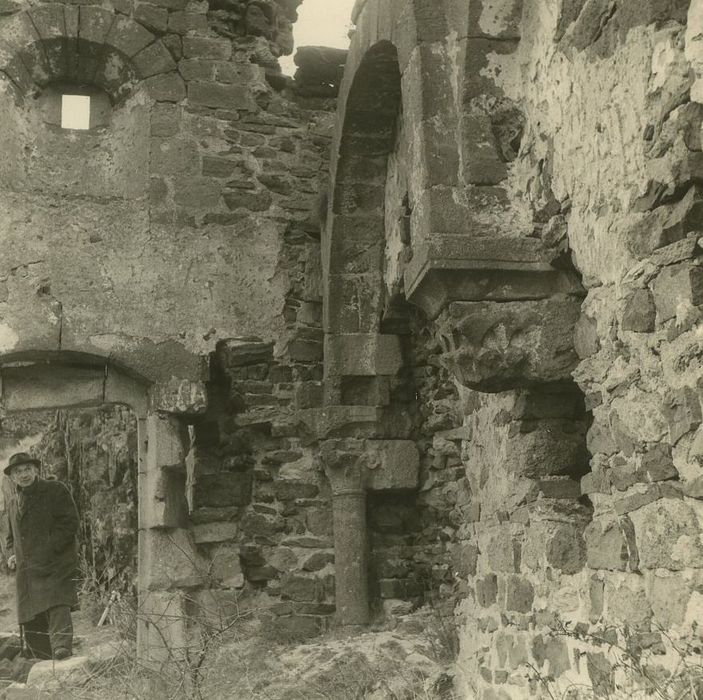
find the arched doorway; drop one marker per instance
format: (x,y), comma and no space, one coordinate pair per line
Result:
(167,560)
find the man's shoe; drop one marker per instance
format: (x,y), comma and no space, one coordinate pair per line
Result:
(61,654)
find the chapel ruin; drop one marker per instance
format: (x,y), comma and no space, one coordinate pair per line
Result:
(425,320)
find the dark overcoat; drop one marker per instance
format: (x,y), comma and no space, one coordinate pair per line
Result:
(41,533)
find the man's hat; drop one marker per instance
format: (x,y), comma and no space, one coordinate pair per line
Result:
(20,458)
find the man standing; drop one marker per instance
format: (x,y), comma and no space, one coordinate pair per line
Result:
(41,545)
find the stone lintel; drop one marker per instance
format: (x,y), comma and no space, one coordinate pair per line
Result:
(450,268)
(47,386)
(362,354)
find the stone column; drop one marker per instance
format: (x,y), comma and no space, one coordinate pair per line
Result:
(353,467)
(341,459)
(351,556)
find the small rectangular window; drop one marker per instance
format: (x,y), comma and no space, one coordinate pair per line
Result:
(75,112)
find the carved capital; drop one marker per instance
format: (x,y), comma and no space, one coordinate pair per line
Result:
(492,346)
(354,465)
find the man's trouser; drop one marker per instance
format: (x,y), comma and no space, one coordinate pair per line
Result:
(49,631)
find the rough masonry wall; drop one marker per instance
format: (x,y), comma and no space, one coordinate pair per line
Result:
(152,236)
(552,197)
(609,164)
(185,217)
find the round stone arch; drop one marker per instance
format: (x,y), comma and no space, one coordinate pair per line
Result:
(168,563)
(425,64)
(391,51)
(56,43)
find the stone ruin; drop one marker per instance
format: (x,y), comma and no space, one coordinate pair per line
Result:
(427,325)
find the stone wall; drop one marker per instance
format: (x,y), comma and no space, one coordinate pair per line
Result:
(531,182)
(607,158)
(191,193)
(188,214)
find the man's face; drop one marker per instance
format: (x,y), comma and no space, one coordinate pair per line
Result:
(23,475)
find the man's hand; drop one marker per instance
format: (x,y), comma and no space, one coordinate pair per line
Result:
(12,563)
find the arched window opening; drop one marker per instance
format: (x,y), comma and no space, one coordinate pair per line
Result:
(75,112)
(75,107)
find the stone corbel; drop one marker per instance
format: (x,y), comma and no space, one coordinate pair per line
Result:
(504,314)
(490,346)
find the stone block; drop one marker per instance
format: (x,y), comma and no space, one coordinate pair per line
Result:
(355,244)
(640,312)
(51,386)
(519,594)
(669,596)
(94,23)
(153,18)
(535,344)
(168,87)
(162,498)
(499,20)
(162,627)
(483,163)
(317,561)
(464,559)
(600,673)
(676,289)
(226,567)
(223,489)
(657,464)
(168,560)
(595,482)
(154,59)
(605,545)
(693,488)
(204,47)
(331,421)
(552,651)
(354,303)
(261,201)
(180,396)
(683,414)
(197,192)
(668,535)
(169,156)
(302,587)
(184,22)
(291,489)
(642,494)
(391,464)
(206,533)
(128,37)
(479,80)
(566,549)
(362,354)
(502,552)
(596,593)
(486,589)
